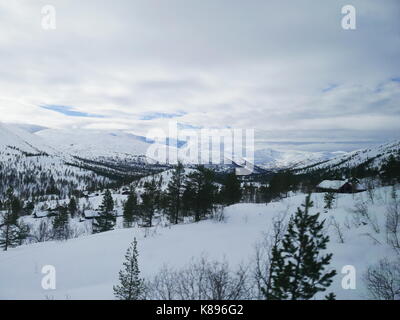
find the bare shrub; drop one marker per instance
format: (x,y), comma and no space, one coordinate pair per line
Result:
(362,216)
(219,214)
(393,223)
(383,280)
(333,223)
(201,280)
(42,233)
(370,190)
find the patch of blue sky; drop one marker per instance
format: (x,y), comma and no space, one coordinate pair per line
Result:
(68,111)
(330,87)
(161,115)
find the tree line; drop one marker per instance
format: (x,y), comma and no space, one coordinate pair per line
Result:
(195,195)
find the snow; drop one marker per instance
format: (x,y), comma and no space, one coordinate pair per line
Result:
(331,184)
(88,214)
(87,267)
(271,159)
(95,143)
(376,156)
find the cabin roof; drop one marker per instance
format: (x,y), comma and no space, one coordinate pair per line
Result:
(91,213)
(331,184)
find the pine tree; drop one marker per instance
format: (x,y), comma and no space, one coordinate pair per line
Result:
(72,207)
(330,296)
(150,202)
(131,210)
(199,195)
(297,266)
(231,190)
(106,219)
(176,188)
(12,232)
(329,197)
(131,286)
(61,230)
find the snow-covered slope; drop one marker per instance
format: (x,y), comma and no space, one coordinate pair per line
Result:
(33,168)
(87,267)
(371,157)
(272,159)
(14,137)
(95,143)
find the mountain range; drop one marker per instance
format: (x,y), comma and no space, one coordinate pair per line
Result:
(110,149)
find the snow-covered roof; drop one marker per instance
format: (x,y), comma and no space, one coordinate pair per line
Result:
(331,184)
(91,213)
(41,214)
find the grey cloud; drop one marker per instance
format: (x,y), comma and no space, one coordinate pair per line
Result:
(257,64)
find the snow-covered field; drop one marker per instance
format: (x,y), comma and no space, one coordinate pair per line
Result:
(87,267)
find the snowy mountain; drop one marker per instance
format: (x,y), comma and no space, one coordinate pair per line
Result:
(35,166)
(15,137)
(370,157)
(95,143)
(278,159)
(100,144)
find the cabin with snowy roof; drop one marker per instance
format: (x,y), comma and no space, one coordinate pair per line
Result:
(341,186)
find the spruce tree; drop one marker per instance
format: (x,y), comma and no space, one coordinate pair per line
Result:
(131,286)
(150,202)
(329,197)
(231,189)
(131,210)
(12,232)
(72,207)
(61,230)
(106,219)
(199,195)
(297,264)
(176,188)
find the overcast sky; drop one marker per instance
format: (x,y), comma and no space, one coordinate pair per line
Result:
(284,68)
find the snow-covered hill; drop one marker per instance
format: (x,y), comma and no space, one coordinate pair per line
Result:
(14,137)
(87,267)
(278,159)
(101,144)
(95,143)
(370,157)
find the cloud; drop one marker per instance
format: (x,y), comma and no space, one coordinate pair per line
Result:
(286,69)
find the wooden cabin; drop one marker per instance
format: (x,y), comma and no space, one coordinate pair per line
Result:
(341,186)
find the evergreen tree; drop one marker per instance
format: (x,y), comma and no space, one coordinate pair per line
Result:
(330,296)
(231,190)
(12,232)
(329,197)
(16,206)
(150,201)
(106,219)
(72,207)
(199,195)
(176,188)
(131,286)
(297,266)
(131,210)
(61,230)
